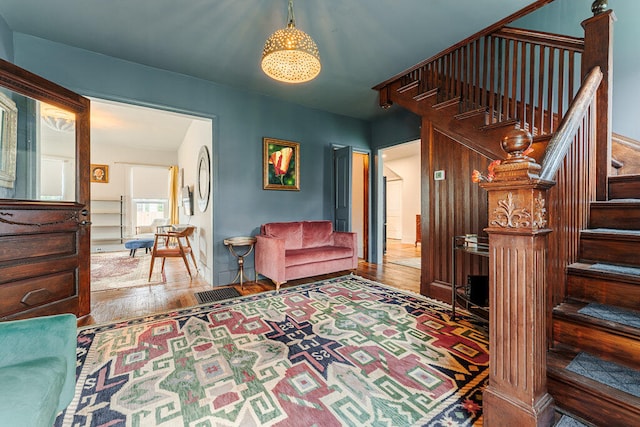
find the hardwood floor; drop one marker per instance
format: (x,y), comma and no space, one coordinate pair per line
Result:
(178,291)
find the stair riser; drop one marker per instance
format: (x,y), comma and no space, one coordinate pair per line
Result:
(610,250)
(617,217)
(619,348)
(624,187)
(580,401)
(604,291)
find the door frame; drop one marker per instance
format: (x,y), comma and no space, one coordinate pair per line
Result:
(366,190)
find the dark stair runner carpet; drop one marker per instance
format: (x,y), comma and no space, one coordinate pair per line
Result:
(613,314)
(609,373)
(567,421)
(216,295)
(611,268)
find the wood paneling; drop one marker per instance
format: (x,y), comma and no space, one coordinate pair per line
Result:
(450,207)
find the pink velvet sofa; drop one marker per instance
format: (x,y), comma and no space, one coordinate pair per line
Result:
(292,250)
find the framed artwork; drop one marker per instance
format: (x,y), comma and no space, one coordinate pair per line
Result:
(281,164)
(100,173)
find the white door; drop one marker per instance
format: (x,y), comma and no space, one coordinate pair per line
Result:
(394,209)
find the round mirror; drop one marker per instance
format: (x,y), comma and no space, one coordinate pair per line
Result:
(204,179)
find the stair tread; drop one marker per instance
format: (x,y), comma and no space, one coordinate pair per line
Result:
(571,310)
(612,313)
(560,360)
(567,421)
(600,269)
(614,202)
(611,231)
(606,372)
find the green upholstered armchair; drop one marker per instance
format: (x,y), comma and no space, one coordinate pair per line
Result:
(37,369)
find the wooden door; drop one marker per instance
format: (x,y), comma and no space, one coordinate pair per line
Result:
(44,239)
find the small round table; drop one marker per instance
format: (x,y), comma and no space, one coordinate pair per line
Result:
(232,243)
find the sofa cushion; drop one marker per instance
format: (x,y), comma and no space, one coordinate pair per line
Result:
(317,233)
(291,232)
(319,254)
(30,391)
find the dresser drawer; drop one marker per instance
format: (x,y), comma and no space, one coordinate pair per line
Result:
(27,294)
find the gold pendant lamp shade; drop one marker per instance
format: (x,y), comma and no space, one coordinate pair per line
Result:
(290,55)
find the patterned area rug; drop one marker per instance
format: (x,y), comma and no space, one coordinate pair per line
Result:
(346,351)
(409,262)
(115,270)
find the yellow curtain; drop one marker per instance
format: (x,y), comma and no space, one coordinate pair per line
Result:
(173,195)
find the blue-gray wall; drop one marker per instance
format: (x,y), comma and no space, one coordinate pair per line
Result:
(6,41)
(240,120)
(565,16)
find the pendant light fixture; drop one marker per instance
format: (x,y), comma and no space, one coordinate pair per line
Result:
(290,55)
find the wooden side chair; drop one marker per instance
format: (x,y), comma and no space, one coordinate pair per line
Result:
(173,244)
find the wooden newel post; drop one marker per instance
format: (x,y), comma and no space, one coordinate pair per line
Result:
(517,391)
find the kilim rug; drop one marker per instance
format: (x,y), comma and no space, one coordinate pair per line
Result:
(346,351)
(115,270)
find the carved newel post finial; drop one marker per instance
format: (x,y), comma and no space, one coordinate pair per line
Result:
(515,143)
(517,165)
(599,6)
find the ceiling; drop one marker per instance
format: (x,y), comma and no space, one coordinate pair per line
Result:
(118,124)
(361,42)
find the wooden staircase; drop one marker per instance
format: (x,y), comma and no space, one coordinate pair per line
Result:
(559,89)
(608,273)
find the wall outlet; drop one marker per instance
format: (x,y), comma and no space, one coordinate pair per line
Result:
(438,175)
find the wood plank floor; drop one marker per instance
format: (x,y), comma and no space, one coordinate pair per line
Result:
(178,291)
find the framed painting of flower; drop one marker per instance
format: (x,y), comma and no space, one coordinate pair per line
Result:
(281,165)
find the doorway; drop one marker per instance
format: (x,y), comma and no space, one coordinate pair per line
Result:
(137,146)
(401,197)
(351,179)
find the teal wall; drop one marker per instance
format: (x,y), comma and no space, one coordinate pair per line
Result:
(6,41)
(240,120)
(565,16)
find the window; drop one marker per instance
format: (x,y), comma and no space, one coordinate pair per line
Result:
(52,179)
(149,209)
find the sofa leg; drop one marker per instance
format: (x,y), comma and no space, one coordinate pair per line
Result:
(278,285)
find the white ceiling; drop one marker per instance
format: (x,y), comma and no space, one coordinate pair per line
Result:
(361,42)
(397,152)
(127,125)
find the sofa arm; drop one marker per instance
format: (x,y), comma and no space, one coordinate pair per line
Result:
(40,338)
(347,239)
(270,258)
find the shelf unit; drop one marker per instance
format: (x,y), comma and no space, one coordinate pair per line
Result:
(460,293)
(107,221)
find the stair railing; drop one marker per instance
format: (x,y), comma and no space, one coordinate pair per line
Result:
(570,161)
(499,71)
(510,74)
(525,206)
(578,116)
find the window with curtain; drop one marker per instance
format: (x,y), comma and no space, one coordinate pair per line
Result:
(149,194)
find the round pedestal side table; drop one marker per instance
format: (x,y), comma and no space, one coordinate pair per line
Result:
(235,242)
